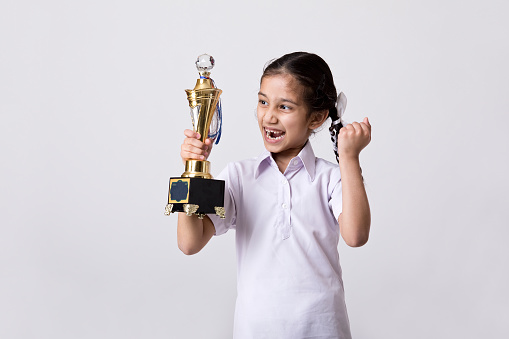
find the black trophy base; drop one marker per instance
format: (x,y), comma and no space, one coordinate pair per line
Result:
(197,196)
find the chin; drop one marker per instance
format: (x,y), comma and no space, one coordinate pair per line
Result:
(273,148)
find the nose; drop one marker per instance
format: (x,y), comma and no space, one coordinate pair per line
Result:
(270,116)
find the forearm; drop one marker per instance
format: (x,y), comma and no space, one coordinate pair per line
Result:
(193,233)
(355,218)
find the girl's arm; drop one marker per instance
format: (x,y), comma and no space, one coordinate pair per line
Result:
(355,219)
(194,233)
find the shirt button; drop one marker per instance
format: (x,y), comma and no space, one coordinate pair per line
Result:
(283,206)
(295,162)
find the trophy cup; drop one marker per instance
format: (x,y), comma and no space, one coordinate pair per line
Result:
(195,192)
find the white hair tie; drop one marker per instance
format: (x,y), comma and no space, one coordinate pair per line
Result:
(340,107)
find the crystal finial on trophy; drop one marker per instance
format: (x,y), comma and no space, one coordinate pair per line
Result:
(195,192)
(205,63)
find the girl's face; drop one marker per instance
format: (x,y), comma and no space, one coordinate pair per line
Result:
(283,115)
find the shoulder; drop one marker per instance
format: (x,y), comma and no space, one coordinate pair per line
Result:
(327,169)
(328,176)
(236,170)
(243,166)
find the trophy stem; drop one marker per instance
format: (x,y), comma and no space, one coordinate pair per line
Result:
(197,169)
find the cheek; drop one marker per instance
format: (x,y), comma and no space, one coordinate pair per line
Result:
(298,127)
(289,123)
(258,115)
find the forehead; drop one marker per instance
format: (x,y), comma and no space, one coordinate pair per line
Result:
(282,86)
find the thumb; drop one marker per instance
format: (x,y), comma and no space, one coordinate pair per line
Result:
(366,121)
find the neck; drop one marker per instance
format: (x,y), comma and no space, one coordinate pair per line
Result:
(283,158)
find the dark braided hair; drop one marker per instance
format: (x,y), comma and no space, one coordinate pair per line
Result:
(313,73)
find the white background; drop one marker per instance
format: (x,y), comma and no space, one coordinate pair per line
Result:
(93,107)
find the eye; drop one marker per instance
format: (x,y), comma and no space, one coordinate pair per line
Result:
(262,102)
(284,107)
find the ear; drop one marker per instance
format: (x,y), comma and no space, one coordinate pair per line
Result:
(318,118)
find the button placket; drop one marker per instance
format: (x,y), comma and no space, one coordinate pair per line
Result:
(280,220)
(286,209)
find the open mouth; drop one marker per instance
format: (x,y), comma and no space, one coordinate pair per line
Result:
(274,134)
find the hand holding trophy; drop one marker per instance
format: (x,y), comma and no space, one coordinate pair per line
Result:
(195,192)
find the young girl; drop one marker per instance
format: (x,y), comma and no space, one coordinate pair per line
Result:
(288,207)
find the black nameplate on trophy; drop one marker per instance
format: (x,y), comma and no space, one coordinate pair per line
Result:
(207,194)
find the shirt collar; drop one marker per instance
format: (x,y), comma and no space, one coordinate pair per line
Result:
(306,155)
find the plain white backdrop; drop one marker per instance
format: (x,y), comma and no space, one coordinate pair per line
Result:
(93,108)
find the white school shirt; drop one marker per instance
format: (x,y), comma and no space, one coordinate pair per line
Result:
(289,281)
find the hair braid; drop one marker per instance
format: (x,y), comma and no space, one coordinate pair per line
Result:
(335,126)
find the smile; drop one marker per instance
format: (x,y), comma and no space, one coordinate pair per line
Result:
(273,134)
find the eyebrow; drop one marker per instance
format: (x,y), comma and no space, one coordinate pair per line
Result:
(283,99)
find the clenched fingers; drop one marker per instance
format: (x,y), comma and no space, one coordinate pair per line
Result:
(366,127)
(353,138)
(193,148)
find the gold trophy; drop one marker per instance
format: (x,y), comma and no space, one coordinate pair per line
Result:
(195,192)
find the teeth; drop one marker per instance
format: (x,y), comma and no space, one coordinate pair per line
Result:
(274,135)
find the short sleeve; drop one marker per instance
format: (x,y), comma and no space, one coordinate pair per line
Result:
(230,178)
(336,197)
